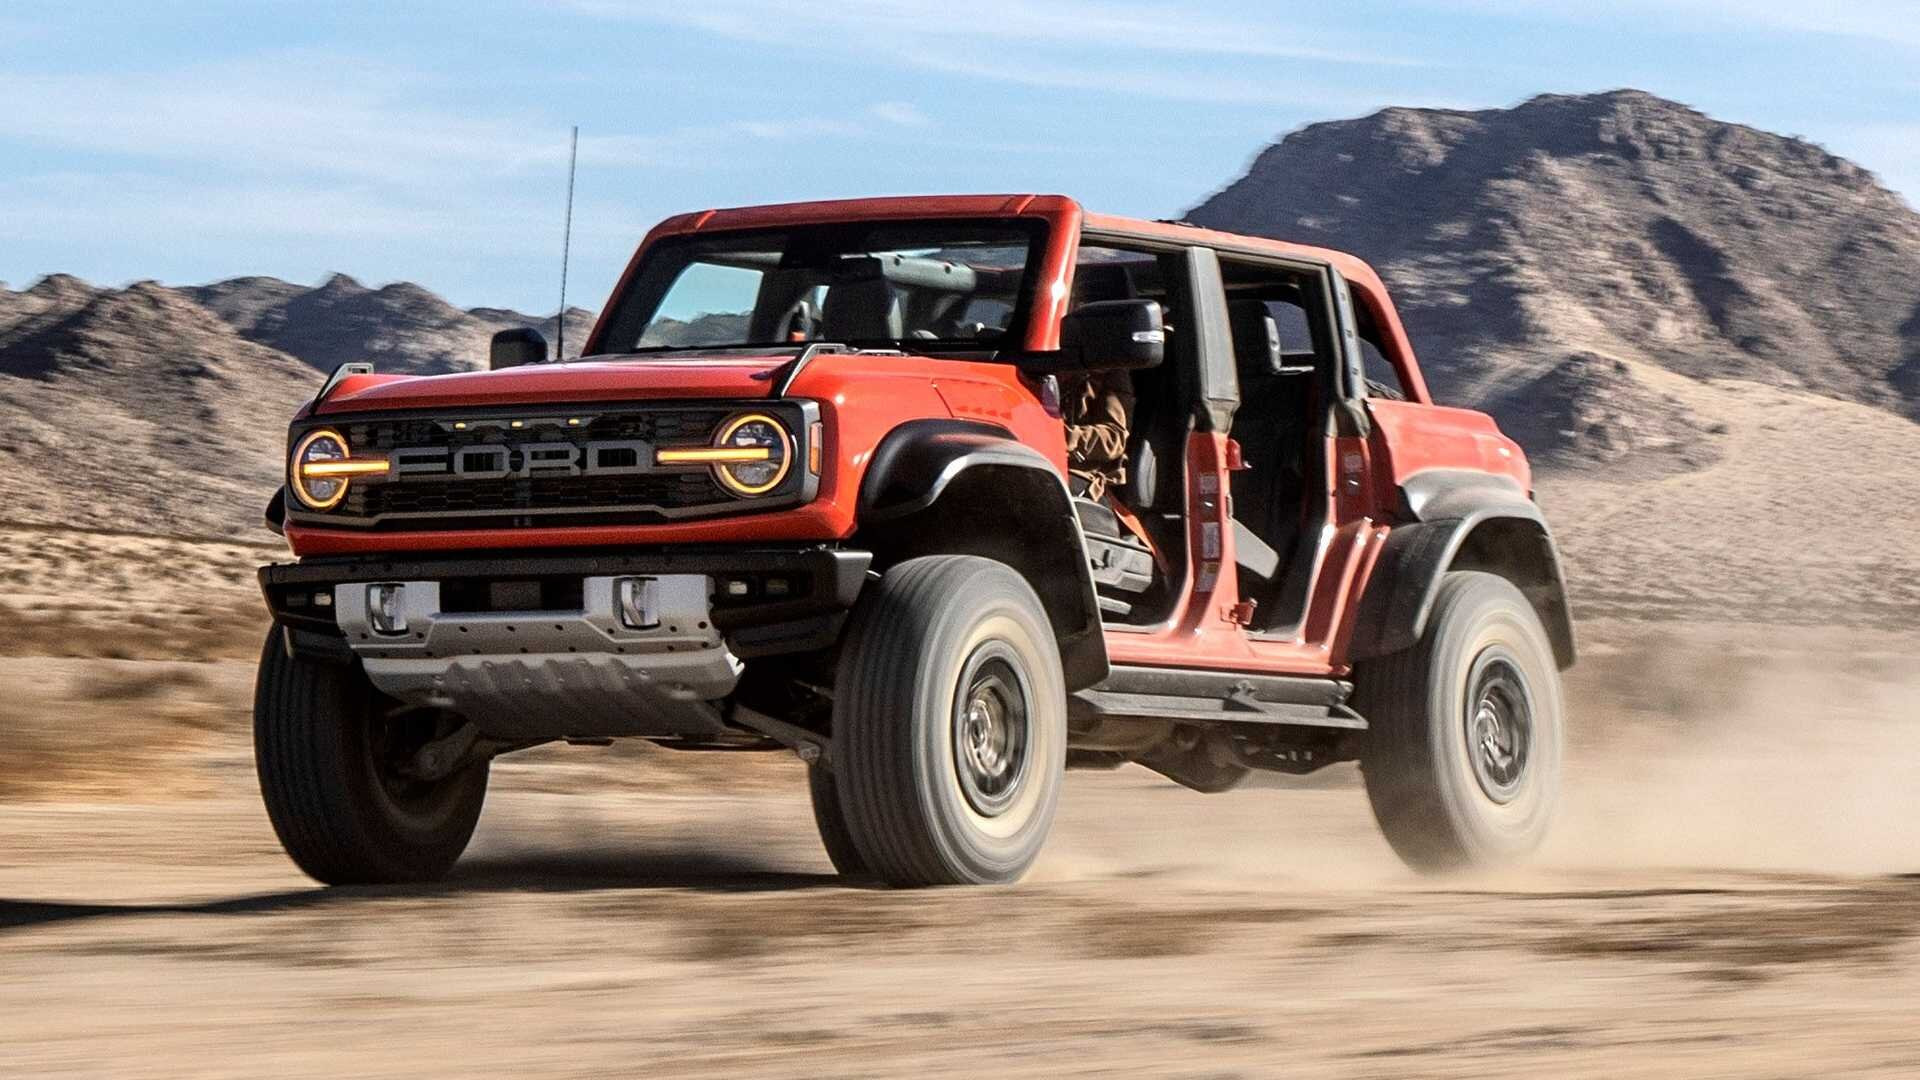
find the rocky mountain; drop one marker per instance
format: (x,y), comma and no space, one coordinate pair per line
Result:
(50,298)
(164,409)
(1707,336)
(1522,244)
(138,410)
(400,327)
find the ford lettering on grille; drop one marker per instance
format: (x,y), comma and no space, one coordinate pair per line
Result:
(501,461)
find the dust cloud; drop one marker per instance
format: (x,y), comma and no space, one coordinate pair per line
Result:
(1745,749)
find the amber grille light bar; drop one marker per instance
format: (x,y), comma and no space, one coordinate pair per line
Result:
(714,455)
(327,470)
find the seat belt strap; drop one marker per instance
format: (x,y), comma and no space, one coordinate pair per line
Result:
(1127,518)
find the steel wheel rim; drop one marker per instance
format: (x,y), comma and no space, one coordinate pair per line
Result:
(1499,725)
(992,728)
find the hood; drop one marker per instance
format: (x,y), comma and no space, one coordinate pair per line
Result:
(683,376)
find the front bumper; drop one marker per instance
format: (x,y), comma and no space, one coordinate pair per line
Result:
(550,674)
(818,585)
(533,648)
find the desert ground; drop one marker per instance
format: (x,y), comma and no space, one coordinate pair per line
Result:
(1733,888)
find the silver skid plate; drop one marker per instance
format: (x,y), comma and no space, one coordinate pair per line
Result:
(552,674)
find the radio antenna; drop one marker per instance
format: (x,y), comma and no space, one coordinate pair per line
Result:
(566,251)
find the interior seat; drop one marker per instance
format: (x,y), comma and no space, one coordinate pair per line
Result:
(1255,557)
(865,310)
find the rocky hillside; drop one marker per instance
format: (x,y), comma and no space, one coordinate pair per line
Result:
(1707,336)
(157,409)
(98,427)
(400,327)
(1619,226)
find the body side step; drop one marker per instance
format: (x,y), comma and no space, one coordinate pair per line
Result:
(1191,696)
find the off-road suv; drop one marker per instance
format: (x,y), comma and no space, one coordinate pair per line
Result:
(808,489)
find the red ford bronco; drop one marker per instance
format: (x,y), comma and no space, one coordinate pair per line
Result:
(808,489)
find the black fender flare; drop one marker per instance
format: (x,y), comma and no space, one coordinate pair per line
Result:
(1448,509)
(911,502)
(914,464)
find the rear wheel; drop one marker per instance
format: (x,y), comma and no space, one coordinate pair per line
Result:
(1462,764)
(335,763)
(949,724)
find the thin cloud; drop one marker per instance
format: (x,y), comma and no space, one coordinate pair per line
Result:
(296,116)
(1887,22)
(900,114)
(265,115)
(885,26)
(1199,88)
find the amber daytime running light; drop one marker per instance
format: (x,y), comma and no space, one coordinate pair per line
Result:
(322,467)
(750,456)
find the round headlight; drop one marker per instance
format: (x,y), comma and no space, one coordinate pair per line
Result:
(322,466)
(318,492)
(763,471)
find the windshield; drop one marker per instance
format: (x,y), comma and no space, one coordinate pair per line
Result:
(955,285)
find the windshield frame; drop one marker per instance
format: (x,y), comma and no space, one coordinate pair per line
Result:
(639,295)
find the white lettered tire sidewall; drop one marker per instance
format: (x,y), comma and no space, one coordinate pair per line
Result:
(997,842)
(1496,832)
(1419,761)
(913,819)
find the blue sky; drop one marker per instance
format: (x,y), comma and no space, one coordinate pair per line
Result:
(189,142)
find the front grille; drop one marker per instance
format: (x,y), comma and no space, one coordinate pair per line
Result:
(661,426)
(547,494)
(620,489)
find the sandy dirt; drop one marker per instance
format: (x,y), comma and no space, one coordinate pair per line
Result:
(1733,890)
(1806,517)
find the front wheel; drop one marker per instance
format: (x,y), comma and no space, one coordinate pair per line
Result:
(949,724)
(831,819)
(334,762)
(1462,763)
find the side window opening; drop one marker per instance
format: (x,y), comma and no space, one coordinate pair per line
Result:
(1383,379)
(1136,527)
(1296,333)
(1280,427)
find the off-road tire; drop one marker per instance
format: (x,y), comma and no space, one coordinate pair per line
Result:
(832,822)
(921,798)
(1440,808)
(315,726)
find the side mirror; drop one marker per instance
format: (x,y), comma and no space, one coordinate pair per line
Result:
(517,348)
(1107,335)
